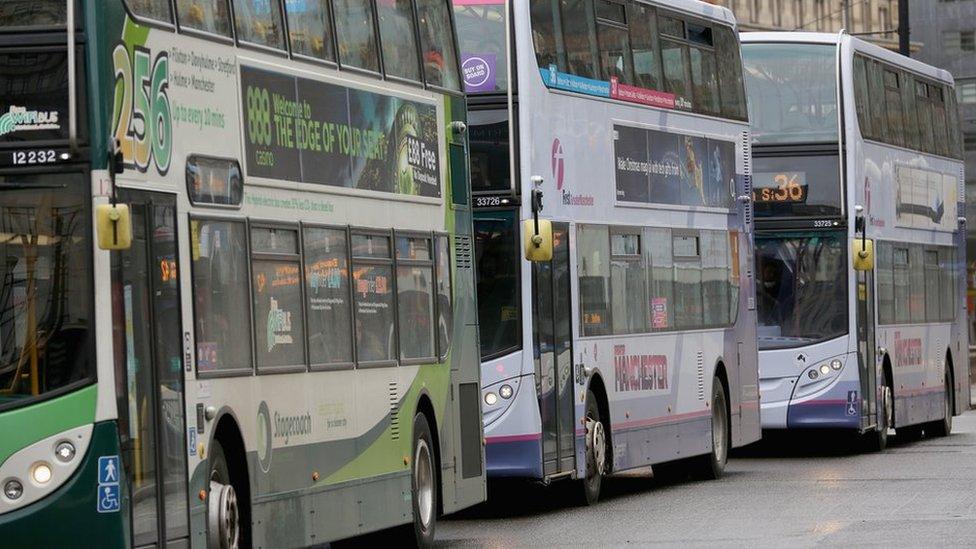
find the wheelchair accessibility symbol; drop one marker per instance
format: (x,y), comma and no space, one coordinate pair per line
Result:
(108,498)
(107,495)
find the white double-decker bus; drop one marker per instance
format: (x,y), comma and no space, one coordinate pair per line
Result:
(623,123)
(860,252)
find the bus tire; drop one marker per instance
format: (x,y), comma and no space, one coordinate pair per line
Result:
(596,451)
(877,440)
(711,466)
(423,482)
(943,427)
(223,512)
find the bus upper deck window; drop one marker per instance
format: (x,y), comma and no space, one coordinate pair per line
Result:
(259,22)
(150,9)
(356,34)
(309,28)
(399,39)
(437,44)
(211,16)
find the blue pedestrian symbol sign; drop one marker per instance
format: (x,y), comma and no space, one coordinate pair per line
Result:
(851,403)
(107,496)
(108,470)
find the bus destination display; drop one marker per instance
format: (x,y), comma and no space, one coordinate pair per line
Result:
(779,187)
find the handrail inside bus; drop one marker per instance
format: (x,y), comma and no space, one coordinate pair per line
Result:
(72,81)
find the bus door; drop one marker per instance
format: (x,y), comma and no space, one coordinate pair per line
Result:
(149,372)
(867,365)
(553,351)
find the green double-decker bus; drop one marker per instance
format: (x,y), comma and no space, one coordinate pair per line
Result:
(236,295)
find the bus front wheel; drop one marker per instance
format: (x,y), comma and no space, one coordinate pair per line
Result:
(424,482)
(223,513)
(596,451)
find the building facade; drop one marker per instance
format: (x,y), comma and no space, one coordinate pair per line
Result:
(869,18)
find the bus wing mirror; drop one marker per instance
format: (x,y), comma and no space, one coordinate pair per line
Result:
(538,239)
(114,226)
(863,253)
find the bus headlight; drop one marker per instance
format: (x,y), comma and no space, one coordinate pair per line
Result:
(13,489)
(491,399)
(824,369)
(818,377)
(65,451)
(506,391)
(836,364)
(41,473)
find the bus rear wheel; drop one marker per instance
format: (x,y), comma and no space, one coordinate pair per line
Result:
(223,512)
(877,440)
(596,451)
(711,466)
(423,483)
(943,427)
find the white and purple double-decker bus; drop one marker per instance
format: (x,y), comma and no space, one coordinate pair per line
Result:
(622,124)
(860,255)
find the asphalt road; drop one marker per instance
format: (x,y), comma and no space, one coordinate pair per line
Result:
(797,491)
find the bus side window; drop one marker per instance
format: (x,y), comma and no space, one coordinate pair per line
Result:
(593,245)
(327,296)
(579,37)
(913,135)
(900,274)
(687,282)
(437,44)
(886,287)
(544,35)
(955,134)
(933,297)
(445,294)
(892,99)
(259,22)
(615,54)
(211,16)
(861,102)
(398,38)
(151,9)
(627,279)
(916,283)
(373,292)
(876,87)
(356,34)
(415,299)
(660,278)
(948,297)
(730,73)
(643,43)
(925,117)
(704,82)
(674,56)
(310,28)
(715,278)
(939,120)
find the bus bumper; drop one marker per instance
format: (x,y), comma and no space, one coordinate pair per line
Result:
(513,441)
(68,517)
(837,408)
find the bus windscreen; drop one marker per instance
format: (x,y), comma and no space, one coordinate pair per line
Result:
(792,92)
(801,289)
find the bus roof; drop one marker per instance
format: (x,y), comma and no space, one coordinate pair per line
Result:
(696,7)
(858,44)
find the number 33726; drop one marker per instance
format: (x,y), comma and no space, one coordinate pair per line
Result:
(27,158)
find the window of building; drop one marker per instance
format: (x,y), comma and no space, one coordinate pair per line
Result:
(398,37)
(966,91)
(959,41)
(327,296)
(259,22)
(310,28)
(373,295)
(220,295)
(211,16)
(356,34)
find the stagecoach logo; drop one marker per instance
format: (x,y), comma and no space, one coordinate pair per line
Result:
(264,437)
(279,326)
(19,119)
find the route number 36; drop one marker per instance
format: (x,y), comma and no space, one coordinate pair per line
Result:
(142,122)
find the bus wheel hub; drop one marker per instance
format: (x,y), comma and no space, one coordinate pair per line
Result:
(596,444)
(223,516)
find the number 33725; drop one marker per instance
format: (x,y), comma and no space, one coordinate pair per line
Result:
(27,158)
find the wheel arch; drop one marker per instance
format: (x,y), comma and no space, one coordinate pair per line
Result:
(227,431)
(722,375)
(599,390)
(950,370)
